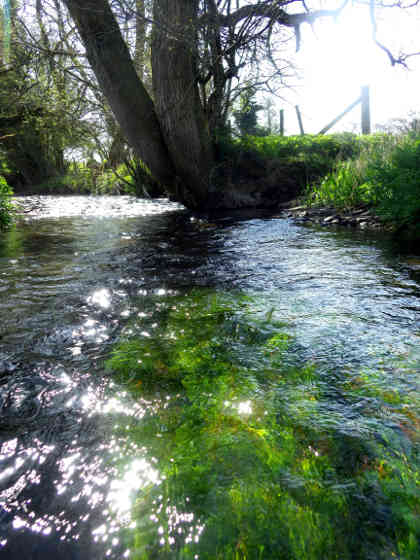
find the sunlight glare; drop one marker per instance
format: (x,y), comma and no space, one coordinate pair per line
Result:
(245,407)
(138,475)
(101,298)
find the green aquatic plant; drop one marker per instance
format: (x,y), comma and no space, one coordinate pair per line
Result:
(256,458)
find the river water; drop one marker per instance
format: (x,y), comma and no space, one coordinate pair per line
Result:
(183,386)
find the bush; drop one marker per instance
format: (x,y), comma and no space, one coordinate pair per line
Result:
(6,206)
(81,179)
(394,183)
(131,177)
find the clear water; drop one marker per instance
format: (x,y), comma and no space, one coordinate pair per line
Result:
(296,353)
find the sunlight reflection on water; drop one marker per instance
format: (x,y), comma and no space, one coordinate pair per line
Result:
(138,474)
(101,297)
(83,461)
(98,206)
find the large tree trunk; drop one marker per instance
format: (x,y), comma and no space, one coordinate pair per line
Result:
(172,135)
(110,60)
(177,100)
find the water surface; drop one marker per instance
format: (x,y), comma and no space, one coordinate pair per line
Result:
(181,386)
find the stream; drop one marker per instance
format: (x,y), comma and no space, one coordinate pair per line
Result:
(182,386)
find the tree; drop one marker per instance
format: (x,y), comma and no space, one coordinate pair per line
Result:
(43,108)
(198,47)
(246,116)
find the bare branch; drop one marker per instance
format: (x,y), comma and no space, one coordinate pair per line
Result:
(401,59)
(277,14)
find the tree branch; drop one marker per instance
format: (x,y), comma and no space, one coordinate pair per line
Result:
(402,57)
(278,15)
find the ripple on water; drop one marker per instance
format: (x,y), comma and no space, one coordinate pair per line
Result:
(72,282)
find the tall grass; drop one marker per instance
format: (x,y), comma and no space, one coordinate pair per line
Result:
(384,176)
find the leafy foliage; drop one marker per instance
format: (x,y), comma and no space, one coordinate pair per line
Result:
(6,207)
(394,183)
(292,162)
(385,176)
(246,116)
(94,178)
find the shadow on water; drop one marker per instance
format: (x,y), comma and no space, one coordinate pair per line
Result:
(228,386)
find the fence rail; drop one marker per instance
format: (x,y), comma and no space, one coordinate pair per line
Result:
(364,100)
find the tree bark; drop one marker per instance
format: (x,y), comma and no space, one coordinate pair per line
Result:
(140,47)
(110,60)
(178,105)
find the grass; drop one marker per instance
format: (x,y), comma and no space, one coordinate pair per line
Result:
(384,176)
(295,161)
(307,147)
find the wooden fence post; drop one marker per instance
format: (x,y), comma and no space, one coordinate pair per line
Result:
(299,116)
(365,110)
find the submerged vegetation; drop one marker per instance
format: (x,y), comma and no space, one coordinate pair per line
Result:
(255,454)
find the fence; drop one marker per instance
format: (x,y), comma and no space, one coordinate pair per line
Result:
(363,100)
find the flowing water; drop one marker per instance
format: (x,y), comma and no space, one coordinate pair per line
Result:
(181,386)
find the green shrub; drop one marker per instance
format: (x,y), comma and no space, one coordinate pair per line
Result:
(6,206)
(82,179)
(131,177)
(394,183)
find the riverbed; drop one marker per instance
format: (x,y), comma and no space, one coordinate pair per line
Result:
(177,385)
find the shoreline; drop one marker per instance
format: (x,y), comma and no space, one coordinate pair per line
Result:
(360,218)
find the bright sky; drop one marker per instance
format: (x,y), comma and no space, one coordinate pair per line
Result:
(338,58)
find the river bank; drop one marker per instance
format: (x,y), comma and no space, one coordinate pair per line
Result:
(361,217)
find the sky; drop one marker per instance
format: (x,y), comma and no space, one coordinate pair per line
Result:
(336,59)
